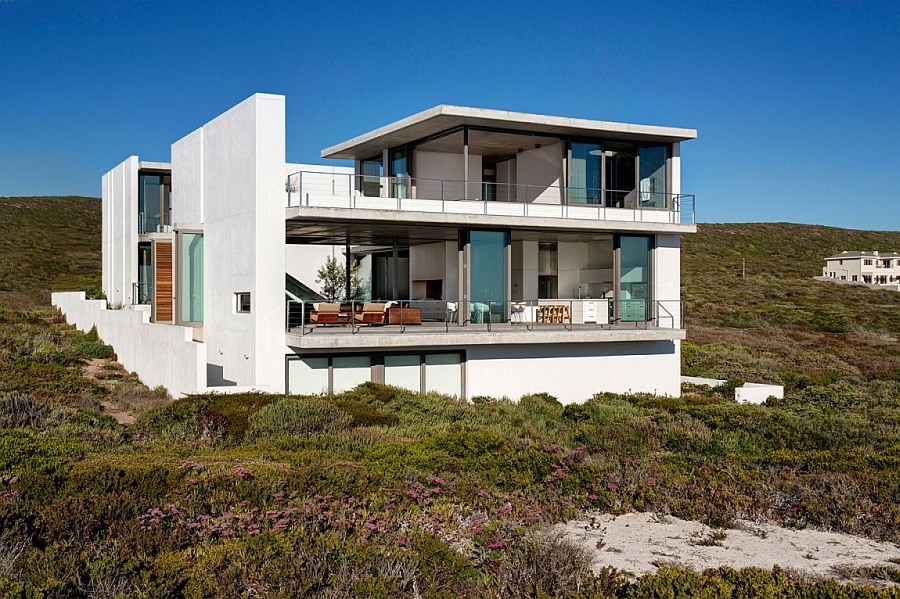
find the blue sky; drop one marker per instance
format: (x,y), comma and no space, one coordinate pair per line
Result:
(797,104)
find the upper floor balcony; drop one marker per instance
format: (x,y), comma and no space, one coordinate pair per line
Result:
(452,196)
(511,166)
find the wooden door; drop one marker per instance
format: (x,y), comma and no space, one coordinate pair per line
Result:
(163,301)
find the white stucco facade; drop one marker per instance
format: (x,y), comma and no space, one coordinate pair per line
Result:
(409,211)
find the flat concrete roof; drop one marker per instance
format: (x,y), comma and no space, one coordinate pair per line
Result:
(445,117)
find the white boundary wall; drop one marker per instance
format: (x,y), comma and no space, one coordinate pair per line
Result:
(574,373)
(161,354)
(757,393)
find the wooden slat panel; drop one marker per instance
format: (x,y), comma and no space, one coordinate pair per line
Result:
(164,282)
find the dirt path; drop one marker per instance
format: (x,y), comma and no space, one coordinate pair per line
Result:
(109,374)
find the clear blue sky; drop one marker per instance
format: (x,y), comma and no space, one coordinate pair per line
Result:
(797,104)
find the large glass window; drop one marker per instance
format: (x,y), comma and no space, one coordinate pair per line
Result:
(653,177)
(153,202)
(443,373)
(586,171)
(321,374)
(634,278)
(350,371)
(403,371)
(488,275)
(308,376)
(191,277)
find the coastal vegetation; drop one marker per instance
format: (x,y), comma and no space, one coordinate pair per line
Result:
(382,492)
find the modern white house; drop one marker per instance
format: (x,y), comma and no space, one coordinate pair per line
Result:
(497,253)
(873,269)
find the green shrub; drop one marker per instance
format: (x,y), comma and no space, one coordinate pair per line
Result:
(832,322)
(21,410)
(300,417)
(365,414)
(180,416)
(89,345)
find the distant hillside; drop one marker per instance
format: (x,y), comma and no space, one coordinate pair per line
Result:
(48,243)
(782,249)
(777,323)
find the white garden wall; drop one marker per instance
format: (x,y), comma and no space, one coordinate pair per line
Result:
(161,354)
(574,372)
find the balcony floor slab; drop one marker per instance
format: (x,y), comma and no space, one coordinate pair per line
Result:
(436,335)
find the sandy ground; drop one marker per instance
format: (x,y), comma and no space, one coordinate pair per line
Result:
(639,542)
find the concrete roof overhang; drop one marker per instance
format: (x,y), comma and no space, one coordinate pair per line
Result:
(443,118)
(356,226)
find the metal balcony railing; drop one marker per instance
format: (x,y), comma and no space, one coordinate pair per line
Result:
(347,190)
(156,223)
(434,316)
(141,293)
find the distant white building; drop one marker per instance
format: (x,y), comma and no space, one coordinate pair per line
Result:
(866,268)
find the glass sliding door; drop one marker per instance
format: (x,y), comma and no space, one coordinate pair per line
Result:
(634,278)
(370,177)
(585,184)
(488,275)
(620,175)
(191,277)
(653,186)
(145,273)
(399,177)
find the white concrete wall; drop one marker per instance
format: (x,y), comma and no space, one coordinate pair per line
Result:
(574,372)
(573,257)
(240,158)
(675,169)
(667,286)
(427,261)
(435,261)
(161,354)
(541,169)
(120,231)
(447,167)
(524,257)
(757,393)
(303,261)
(187,179)
(506,179)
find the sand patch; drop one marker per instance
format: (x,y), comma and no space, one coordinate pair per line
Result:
(639,543)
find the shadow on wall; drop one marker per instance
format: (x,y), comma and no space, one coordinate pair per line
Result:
(215,376)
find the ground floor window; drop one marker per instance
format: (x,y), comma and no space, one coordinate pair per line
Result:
(418,371)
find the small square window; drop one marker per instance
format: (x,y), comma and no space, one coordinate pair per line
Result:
(242,302)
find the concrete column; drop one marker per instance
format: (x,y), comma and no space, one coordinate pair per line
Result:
(347,271)
(465,163)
